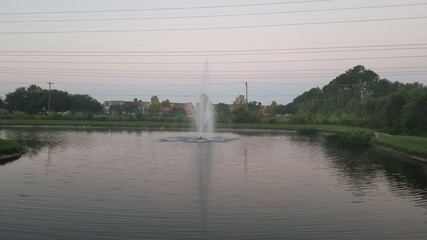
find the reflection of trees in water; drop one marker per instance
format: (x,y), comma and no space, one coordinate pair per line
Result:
(361,169)
(9,160)
(405,174)
(36,140)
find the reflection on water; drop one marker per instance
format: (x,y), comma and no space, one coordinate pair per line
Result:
(361,169)
(8,160)
(204,158)
(36,140)
(123,184)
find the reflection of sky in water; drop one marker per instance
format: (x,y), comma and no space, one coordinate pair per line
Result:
(130,184)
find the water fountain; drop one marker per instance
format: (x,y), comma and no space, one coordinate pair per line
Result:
(204,118)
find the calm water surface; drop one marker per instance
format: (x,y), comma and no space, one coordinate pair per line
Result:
(82,184)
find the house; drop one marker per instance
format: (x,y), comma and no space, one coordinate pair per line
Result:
(167,108)
(108,104)
(126,107)
(143,107)
(189,108)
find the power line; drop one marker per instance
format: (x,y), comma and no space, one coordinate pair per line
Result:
(216,62)
(214,54)
(186,71)
(179,95)
(166,85)
(221,51)
(157,77)
(186,76)
(215,15)
(188,95)
(166,9)
(215,28)
(17,70)
(134,85)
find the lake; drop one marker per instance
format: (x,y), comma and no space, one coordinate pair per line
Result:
(129,184)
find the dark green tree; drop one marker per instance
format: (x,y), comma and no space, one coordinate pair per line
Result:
(30,100)
(155,105)
(85,103)
(34,99)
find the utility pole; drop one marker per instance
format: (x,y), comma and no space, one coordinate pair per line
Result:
(48,105)
(246,96)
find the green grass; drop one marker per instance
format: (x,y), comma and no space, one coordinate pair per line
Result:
(93,123)
(8,146)
(183,125)
(409,144)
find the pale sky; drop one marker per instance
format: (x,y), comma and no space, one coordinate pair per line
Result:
(126,49)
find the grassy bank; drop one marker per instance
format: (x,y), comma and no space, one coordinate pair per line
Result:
(172,125)
(8,147)
(92,123)
(409,144)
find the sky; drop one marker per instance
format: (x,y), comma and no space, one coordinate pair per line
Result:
(126,49)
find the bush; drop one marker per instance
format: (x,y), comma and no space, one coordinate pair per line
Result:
(272,120)
(245,117)
(7,146)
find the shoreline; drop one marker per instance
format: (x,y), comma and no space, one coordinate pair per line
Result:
(5,158)
(221,127)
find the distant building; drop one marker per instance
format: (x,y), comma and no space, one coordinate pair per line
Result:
(143,107)
(108,104)
(126,107)
(189,108)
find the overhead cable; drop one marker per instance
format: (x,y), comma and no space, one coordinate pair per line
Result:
(214,28)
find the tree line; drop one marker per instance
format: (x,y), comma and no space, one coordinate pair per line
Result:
(356,97)
(360,97)
(35,100)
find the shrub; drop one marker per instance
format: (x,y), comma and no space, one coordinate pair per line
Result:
(7,146)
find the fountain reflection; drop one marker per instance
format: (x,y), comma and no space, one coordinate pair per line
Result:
(203,161)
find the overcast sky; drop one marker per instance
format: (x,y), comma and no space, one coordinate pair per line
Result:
(126,49)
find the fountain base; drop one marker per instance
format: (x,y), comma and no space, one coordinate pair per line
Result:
(198,139)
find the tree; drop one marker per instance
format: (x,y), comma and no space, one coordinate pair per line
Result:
(34,99)
(239,103)
(272,110)
(223,112)
(165,103)
(155,105)
(415,113)
(85,103)
(60,101)
(360,97)
(30,100)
